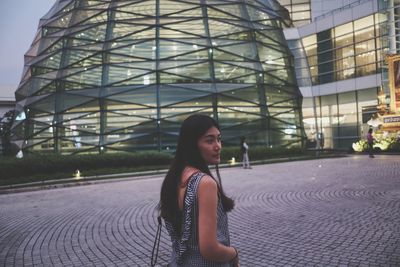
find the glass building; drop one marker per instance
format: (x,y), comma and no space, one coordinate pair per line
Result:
(340,66)
(108,75)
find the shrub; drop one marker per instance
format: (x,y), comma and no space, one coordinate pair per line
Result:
(386,144)
(53,166)
(395,146)
(259,152)
(360,146)
(51,163)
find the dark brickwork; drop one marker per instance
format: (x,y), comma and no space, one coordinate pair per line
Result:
(331,212)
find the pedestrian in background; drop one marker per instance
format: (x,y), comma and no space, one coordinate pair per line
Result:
(244,148)
(370,141)
(192,202)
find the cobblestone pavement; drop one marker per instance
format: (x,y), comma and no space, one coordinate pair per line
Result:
(328,212)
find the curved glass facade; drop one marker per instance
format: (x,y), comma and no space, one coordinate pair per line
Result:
(122,75)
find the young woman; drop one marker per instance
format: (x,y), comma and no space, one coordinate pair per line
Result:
(193,203)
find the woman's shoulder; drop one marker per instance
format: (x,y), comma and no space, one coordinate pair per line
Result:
(202,181)
(207,183)
(207,179)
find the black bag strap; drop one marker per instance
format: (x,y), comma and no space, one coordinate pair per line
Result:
(156,243)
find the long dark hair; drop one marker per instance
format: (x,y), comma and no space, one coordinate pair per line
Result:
(188,154)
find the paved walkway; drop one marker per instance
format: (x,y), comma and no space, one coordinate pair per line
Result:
(330,212)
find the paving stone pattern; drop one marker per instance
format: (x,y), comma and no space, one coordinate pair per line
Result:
(329,212)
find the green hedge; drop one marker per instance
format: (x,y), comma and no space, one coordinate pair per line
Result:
(52,166)
(259,153)
(386,144)
(11,168)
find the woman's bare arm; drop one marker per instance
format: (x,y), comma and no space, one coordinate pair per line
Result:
(210,248)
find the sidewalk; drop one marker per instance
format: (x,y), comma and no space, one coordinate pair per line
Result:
(324,212)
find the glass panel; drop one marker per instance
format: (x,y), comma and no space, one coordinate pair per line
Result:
(249,94)
(88,76)
(235,10)
(364,34)
(173,95)
(346,73)
(364,47)
(329,119)
(302,15)
(246,50)
(344,40)
(343,29)
(188,28)
(145,96)
(380,24)
(309,121)
(365,69)
(77,58)
(313,60)
(363,23)
(309,40)
(348,109)
(145,33)
(345,52)
(171,49)
(146,8)
(93,34)
(345,64)
(121,29)
(367,103)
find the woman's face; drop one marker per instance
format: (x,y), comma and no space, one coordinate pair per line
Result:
(209,145)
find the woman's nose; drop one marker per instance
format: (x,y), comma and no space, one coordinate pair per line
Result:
(217,146)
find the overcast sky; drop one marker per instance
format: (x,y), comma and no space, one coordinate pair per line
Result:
(19,20)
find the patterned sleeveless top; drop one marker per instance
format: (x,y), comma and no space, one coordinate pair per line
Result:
(185,247)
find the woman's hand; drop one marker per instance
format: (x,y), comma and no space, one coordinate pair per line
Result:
(235,261)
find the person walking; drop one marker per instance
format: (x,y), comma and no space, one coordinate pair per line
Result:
(245,155)
(193,203)
(370,141)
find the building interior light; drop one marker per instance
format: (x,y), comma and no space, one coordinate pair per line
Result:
(146,80)
(78,174)
(21,116)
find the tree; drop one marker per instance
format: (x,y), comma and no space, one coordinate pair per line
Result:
(5,131)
